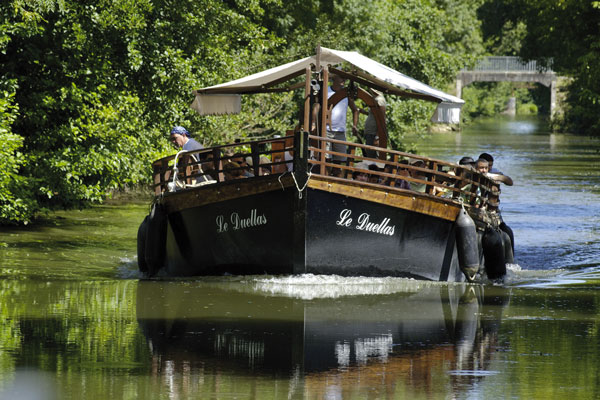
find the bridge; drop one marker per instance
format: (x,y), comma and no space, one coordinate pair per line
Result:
(509,69)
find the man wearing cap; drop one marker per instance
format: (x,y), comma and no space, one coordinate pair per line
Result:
(467,162)
(180,138)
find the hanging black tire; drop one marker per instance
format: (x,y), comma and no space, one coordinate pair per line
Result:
(141,245)
(466,245)
(493,253)
(508,248)
(156,239)
(511,235)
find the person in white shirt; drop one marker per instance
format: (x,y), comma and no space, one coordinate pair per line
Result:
(336,129)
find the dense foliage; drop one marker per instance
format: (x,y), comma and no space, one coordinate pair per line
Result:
(89,89)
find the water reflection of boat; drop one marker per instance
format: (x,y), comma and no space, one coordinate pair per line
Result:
(404,336)
(417,217)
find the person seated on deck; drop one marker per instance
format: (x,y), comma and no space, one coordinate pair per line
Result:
(494,173)
(444,184)
(376,178)
(361,176)
(211,173)
(289,158)
(482,166)
(264,165)
(401,171)
(467,162)
(232,170)
(417,186)
(241,161)
(181,139)
(373,178)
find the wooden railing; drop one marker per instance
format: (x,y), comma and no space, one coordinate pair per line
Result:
(426,175)
(223,163)
(420,174)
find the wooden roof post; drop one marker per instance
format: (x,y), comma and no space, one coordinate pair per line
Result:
(307,106)
(324,113)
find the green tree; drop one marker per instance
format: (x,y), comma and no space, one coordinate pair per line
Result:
(564,33)
(99,84)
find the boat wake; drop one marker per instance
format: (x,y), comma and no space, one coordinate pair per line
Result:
(128,269)
(309,286)
(587,276)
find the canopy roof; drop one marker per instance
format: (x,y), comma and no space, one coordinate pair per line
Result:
(225,98)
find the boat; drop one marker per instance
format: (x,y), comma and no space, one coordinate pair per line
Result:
(308,215)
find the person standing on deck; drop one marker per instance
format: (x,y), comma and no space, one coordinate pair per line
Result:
(371,124)
(336,128)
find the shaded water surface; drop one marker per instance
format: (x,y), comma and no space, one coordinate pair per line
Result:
(77,320)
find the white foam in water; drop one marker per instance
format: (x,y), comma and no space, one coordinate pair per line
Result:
(513,267)
(309,286)
(517,276)
(128,269)
(560,278)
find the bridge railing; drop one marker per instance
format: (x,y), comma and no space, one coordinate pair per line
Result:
(510,63)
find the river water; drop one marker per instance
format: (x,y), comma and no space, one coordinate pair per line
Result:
(77,320)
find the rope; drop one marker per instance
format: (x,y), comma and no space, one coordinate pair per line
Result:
(295,182)
(279,179)
(305,184)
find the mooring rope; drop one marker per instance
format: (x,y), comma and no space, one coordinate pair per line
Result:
(295,182)
(303,187)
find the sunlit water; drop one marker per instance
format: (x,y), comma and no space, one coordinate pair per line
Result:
(77,320)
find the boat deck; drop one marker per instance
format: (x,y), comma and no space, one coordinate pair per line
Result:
(441,182)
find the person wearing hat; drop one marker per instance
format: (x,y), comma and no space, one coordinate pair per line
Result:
(180,138)
(467,162)
(362,176)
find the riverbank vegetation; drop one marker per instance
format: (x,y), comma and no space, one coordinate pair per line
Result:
(565,35)
(89,90)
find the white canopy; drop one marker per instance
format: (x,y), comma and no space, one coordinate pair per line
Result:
(225,98)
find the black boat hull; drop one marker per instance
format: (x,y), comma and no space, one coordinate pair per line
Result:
(322,232)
